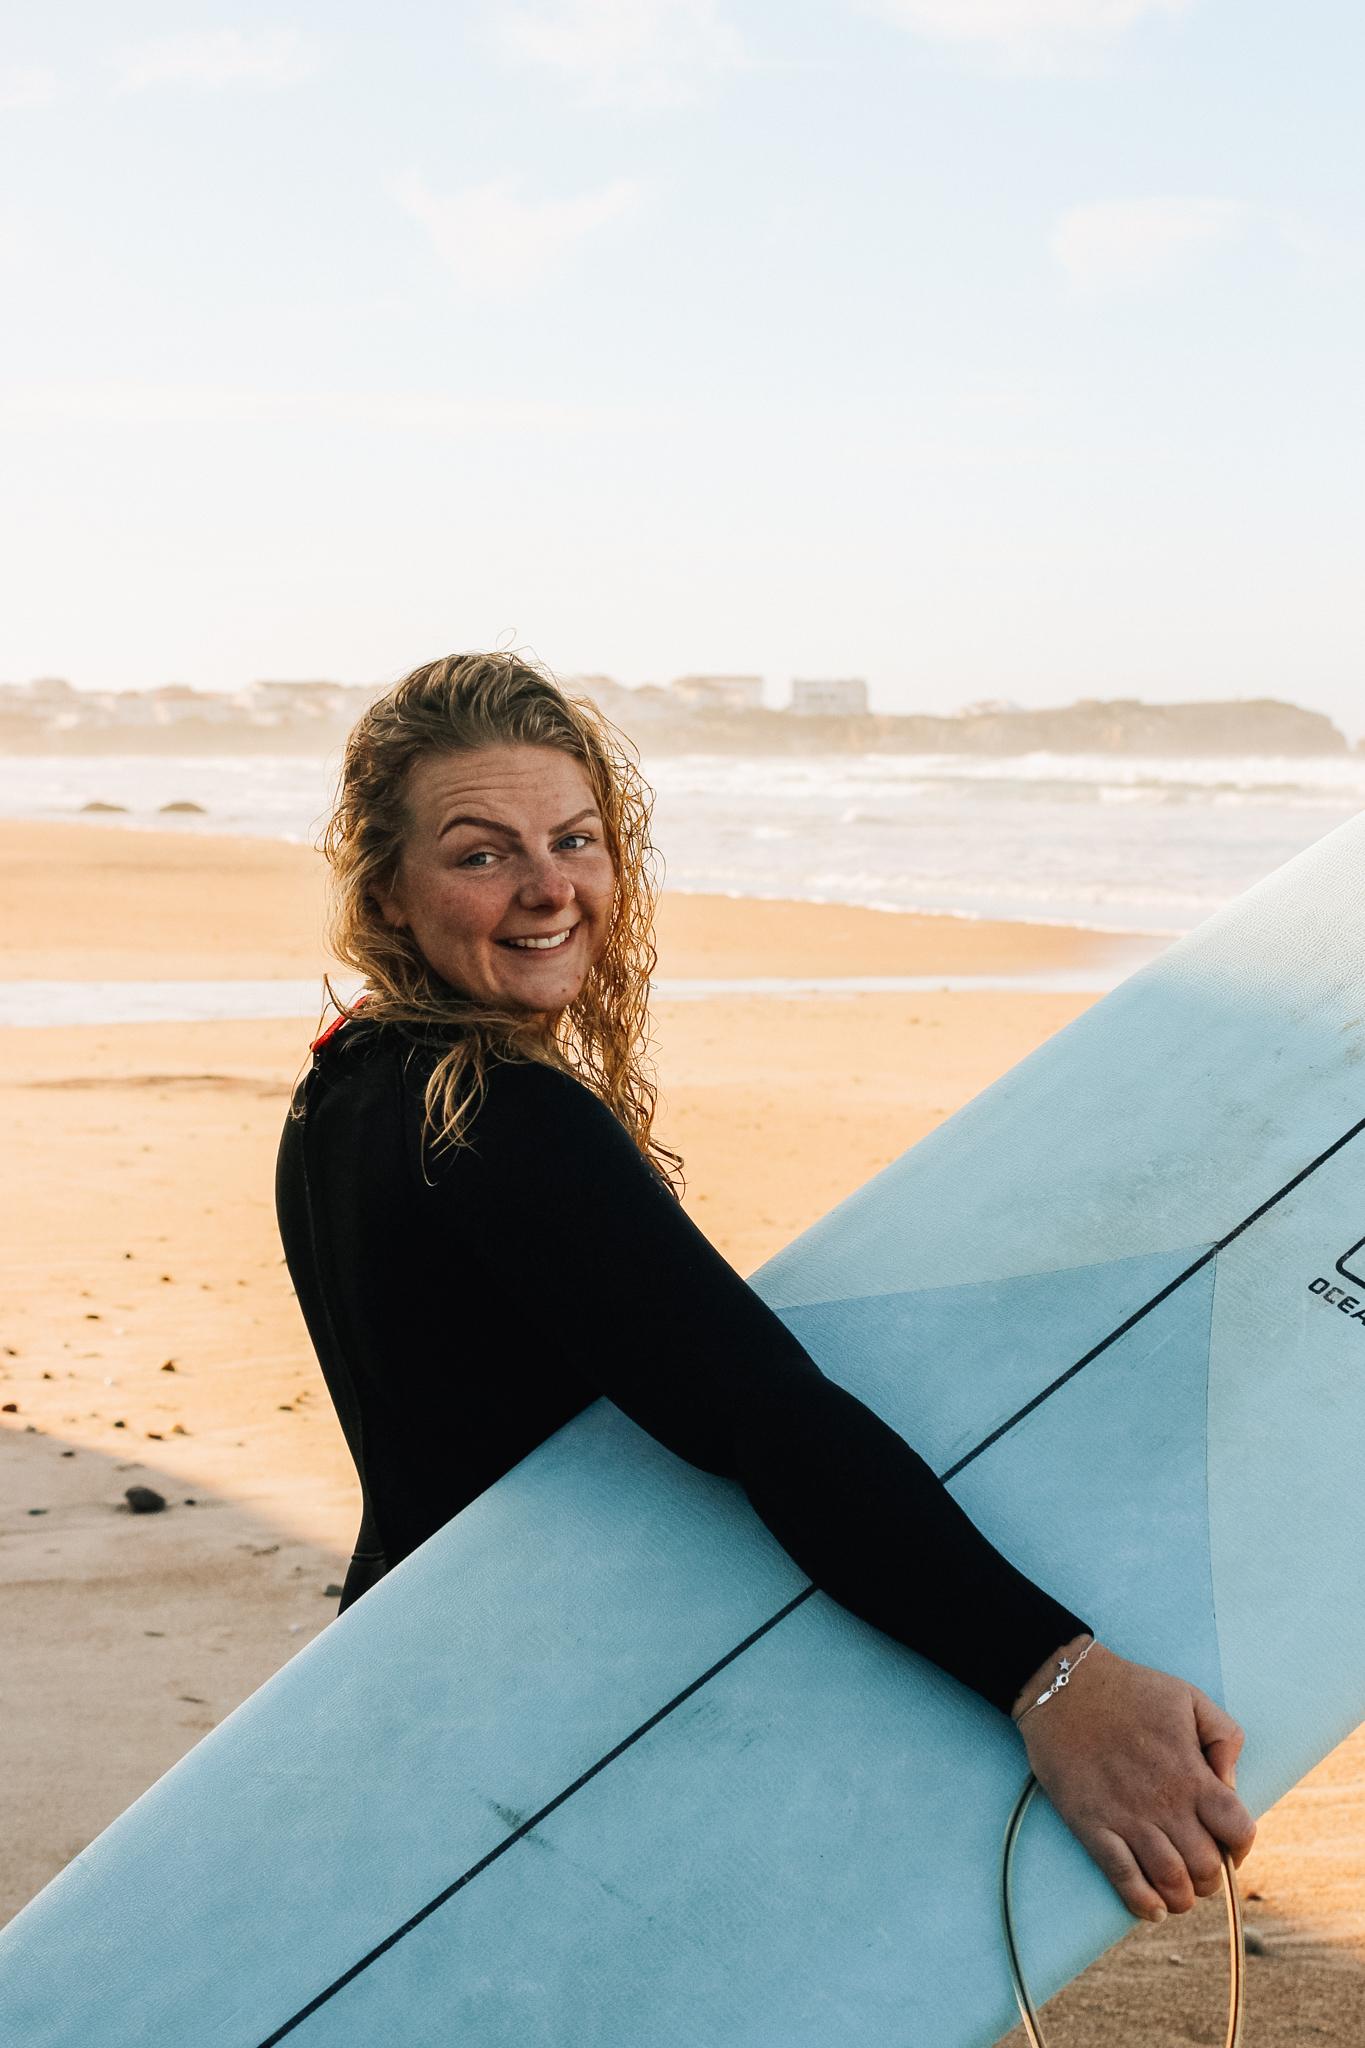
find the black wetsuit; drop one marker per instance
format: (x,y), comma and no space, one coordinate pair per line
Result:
(465,1304)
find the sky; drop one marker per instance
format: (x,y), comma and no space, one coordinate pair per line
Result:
(986,349)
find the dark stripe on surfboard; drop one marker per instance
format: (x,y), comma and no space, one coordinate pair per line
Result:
(1148,1306)
(526,1826)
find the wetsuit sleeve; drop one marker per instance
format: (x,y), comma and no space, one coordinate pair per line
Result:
(603,1270)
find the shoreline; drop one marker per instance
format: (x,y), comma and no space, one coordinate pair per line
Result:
(58,923)
(40,1005)
(1137,933)
(1086,927)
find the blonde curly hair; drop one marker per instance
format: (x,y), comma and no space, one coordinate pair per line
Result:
(602,1037)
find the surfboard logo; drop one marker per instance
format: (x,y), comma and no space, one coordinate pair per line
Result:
(1357,1252)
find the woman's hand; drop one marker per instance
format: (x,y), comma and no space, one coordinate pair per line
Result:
(1141,1767)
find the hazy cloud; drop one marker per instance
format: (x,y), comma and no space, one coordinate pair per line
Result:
(496,243)
(28,85)
(214,58)
(1034,35)
(121,404)
(1131,244)
(646,53)
(1325,257)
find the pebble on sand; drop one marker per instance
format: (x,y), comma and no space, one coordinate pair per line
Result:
(331,1592)
(184,804)
(144,1500)
(98,804)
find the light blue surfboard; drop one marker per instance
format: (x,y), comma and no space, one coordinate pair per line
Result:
(597,1767)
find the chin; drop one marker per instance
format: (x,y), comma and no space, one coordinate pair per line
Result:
(540,1005)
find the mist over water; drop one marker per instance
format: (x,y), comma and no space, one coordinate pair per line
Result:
(1117,844)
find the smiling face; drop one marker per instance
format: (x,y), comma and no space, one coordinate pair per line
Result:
(506,881)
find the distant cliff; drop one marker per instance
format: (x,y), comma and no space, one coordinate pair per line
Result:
(1122,725)
(659,724)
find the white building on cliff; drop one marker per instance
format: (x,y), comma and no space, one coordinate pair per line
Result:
(844,697)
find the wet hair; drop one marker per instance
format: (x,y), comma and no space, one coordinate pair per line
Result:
(467,701)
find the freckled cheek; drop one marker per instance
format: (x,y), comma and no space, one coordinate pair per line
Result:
(465,918)
(603,883)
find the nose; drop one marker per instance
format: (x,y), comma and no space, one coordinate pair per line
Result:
(545,886)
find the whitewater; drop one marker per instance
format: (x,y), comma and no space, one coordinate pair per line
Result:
(1103,842)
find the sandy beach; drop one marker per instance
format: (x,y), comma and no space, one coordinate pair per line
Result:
(150,1334)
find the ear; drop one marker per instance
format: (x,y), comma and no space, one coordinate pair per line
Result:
(386,903)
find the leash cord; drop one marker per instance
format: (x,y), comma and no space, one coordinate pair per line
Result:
(1236,1946)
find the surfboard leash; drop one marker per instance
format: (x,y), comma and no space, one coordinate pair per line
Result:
(1236,1945)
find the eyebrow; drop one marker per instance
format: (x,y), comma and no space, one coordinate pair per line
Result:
(494,825)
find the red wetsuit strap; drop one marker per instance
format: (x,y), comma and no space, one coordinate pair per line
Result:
(336,1024)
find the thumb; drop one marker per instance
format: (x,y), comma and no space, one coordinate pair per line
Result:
(1220,1738)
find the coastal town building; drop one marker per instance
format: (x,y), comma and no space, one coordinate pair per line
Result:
(843,697)
(178,704)
(269,702)
(719,693)
(613,699)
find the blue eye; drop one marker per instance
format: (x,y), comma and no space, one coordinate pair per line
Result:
(482,857)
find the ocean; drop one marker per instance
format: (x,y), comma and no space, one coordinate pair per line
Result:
(1111,844)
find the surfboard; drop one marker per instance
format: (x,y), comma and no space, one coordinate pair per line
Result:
(597,1766)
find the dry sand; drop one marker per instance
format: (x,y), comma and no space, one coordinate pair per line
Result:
(149,1335)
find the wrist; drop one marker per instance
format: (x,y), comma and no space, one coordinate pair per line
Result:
(1040,1680)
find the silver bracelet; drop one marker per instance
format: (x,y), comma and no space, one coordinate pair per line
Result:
(1064,1670)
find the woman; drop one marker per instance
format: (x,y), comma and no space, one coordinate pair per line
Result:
(485,1237)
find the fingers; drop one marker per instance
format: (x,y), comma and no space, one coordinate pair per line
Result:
(1120,1866)
(1179,1862)
(1164,1867)
(1222,1758)
(1156,1873)
(1227,1820)
(1201,1861)
(1223,1812)
(1220,1738)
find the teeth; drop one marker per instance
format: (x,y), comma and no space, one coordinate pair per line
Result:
(542,945)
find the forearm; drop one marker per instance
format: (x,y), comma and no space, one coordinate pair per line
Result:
(862,1513)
